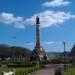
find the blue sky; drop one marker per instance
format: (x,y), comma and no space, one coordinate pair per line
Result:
(57,21)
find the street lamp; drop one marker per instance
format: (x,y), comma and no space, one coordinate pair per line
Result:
(64,56)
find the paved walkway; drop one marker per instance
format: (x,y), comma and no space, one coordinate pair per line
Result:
(49,70)
(43,72)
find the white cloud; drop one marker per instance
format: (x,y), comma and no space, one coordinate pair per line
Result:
(56,3)
(49,18)
(52,43)
(49,43)
(9,18)
(44,43)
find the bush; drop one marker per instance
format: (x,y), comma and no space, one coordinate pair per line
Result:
(58,72)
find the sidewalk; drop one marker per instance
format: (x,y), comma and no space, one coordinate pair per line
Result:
(46,71)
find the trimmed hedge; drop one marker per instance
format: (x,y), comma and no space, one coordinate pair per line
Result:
(17,65)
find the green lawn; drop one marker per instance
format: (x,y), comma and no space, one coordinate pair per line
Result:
(70,71)
(20,70)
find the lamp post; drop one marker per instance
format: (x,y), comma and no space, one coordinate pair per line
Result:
(13,38)
(64,56)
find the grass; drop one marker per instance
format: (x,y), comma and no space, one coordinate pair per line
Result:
(20,70)
(70,71)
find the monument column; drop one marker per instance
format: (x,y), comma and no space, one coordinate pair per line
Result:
(38,51)
(38,32)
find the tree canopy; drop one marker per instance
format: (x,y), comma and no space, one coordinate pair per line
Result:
(16,51)
(73,50)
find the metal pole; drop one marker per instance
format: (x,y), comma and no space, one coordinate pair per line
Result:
(64,58)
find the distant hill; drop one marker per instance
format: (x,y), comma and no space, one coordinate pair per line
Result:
(54,55)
